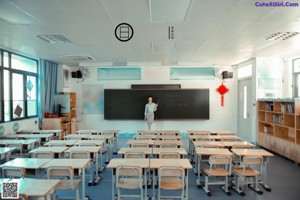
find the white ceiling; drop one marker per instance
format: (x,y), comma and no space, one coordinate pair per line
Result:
(207,32)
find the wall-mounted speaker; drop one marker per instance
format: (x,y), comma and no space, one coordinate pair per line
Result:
(227,74)
(79,74)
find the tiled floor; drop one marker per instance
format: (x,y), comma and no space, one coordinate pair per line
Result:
(283,177)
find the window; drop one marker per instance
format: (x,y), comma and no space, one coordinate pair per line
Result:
(296,74)
(18,96)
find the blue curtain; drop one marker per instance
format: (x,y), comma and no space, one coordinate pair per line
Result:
(48,82)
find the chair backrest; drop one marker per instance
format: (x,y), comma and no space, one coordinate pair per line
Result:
(80,155)
(129,171)
(140,145)
(169,155)
(43,154)
(168,145)
(13,172)
(249,161)
(135,155)
(219,161)
(243,146)
(61,172)
(171,172)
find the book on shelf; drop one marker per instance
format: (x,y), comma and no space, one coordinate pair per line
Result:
(290,108)
(269,107)
(282,107)
(278,119)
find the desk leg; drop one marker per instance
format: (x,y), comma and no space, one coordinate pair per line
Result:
(263,182)
(97,178)
(153,185)
(108,152)
(116,143)
(83,184)
(101,161)
(190,148)
(145,184)
(187,185)
(198,181)
(113,184)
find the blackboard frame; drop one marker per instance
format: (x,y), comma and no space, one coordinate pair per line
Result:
(128,104)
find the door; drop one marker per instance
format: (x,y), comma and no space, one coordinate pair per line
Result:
(245,130)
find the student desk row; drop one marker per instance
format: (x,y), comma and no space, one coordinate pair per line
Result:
(40,164)
(239,153)
(157,137)
(179,143)
(20,144)
(42,188)
(158,132)
(153,151)
(41,137)
(108,138)
(208,132)
(154,164)
(59,151)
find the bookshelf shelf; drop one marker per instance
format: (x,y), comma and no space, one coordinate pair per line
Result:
(278,127)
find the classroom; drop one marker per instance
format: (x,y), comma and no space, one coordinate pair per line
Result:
(149,99)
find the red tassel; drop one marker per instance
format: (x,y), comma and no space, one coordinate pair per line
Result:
(222,100)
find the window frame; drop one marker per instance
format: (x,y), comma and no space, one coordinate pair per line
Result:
(24,75)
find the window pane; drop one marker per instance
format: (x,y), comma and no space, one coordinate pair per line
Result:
(22,63)
(32,108)
(6,85)
(5,59)
(17,87)
(6,111)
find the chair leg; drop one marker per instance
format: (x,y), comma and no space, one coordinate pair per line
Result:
(77,194)
(236,187)
(255,188)
(206,186)
(225,187)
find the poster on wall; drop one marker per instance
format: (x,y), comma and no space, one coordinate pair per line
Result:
(92,99)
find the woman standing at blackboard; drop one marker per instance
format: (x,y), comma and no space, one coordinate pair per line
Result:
(150,108)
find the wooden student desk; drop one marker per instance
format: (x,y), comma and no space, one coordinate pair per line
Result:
(28,164)
(207,152)
(95,151)
(58,151)
(20,144)
(256,152)
(90,142)
(221,133)
(148,142)
(115,137)
(167,132)
(76,136)
(124,150)
(35,189)
(157,163)
(165,137)
(6,151)
(61,142)
(116,162)
(148,132)
(181,151)
(179,143)
(74,163)
(108,140)
(57,133)
(231,144)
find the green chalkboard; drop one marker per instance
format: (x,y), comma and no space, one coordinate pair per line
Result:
(173,103)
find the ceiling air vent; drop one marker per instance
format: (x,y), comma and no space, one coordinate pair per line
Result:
(281,35)
(53,39)
(79,58)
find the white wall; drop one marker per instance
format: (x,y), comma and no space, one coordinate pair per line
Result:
(221,118)
(26,124)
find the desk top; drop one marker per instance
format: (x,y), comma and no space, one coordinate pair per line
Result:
(91,142)
(143,132)
(47,131)
(135,150)
(41,187)
(149,142)
(4,150)
(213,151)
(30,141)
(94,149)
(181,151)
(74,163)
(177,142)
(231,144)
(251,152)
(76,136)
(28,163)
(202,143)
(63,142)
(49,149)
(198,132)
(141,162)
(100,137)
(46,135)
(157,163)
(221,132)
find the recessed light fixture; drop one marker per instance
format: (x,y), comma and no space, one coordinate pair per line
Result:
(53,39)
(281,35)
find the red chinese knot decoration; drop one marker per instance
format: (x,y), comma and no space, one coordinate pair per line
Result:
(222,89)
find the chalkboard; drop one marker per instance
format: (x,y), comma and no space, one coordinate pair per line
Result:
(173,104)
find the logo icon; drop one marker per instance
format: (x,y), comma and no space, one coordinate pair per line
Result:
(124,32)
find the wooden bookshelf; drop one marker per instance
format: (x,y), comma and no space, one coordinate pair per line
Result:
(278,127)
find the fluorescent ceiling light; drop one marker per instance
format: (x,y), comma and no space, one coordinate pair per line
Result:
(281,35)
